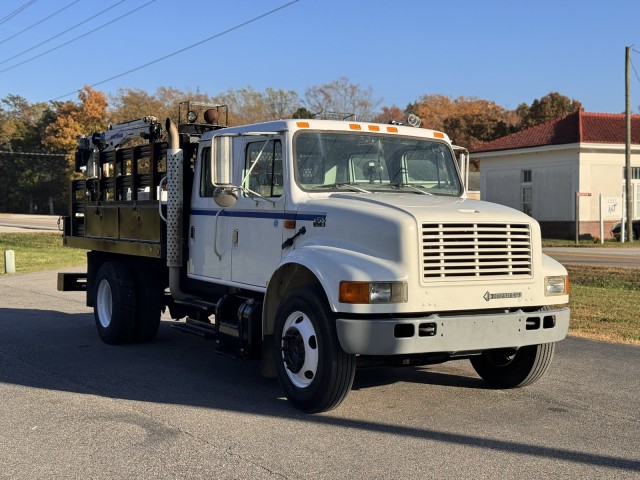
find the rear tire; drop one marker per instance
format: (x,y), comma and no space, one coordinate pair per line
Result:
(510,368)
(114,309)
(314,371)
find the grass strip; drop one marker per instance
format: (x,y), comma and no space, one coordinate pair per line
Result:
(39,251)
(605,303)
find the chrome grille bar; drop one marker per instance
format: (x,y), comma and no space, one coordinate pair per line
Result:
(475,250)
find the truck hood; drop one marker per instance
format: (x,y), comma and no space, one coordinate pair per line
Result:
(419,206)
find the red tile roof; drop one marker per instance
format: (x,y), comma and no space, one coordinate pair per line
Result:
(580,127)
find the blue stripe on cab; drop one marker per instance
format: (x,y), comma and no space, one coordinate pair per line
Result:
(260,214)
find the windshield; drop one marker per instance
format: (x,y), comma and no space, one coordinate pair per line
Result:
(370,163)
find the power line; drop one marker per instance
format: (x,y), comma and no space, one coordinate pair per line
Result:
(62,33)
(38,23)
(17,11)
(78,37)
(634,69)
(217,35)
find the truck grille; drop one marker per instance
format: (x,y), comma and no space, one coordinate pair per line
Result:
(471,250)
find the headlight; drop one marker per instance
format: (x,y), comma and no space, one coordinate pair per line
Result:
(558,285)
(373,292)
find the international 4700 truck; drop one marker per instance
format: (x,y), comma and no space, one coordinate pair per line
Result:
(314,245)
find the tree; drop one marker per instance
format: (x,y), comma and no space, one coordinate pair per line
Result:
(74,119)
(342,97)
(467,120)
(390,114)
(433,110)
(130,104)
(31,180)
(302,112)
(550,107)
(246,105)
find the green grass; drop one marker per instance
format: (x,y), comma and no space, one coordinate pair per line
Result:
(604,301)
(39,251)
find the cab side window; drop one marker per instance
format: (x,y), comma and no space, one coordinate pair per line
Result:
(206,185)
(264,160)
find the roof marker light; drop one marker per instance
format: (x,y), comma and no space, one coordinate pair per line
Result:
(438,135)
(355,126)
(392,129)
(374,128)
(302,124)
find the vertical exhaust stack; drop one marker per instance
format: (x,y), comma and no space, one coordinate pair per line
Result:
(175,209)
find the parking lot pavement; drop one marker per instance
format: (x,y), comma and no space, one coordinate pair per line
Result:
(73,407)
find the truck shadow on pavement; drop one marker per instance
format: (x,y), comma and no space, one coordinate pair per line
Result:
(59,351)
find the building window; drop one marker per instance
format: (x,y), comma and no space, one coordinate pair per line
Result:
(635,173)
(206,182)
(526,189)
(527,200)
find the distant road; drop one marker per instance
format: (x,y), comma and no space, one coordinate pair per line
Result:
(597,256)
(10,222)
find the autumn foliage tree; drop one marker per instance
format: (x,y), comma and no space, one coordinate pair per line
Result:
(390,114)
(73,119)
(467,120)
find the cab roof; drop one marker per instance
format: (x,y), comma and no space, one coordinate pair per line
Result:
(294,125)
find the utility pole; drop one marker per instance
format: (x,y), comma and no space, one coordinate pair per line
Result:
(627,150)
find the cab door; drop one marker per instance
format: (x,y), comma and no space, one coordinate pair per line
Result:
(209,227)
(257,217)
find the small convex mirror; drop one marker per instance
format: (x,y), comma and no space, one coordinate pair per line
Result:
(225,196)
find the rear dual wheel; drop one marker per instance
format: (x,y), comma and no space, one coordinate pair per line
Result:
(127,307)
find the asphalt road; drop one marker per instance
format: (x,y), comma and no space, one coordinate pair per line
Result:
(10,222)
(597,256)
(73,407)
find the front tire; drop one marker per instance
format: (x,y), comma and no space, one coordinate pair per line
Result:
(510,368)
(114,309)
(314,371)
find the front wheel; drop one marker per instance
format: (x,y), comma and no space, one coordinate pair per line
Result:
(510,368)
(314,371)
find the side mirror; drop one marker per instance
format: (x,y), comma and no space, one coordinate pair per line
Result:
(221,160)
(224,194)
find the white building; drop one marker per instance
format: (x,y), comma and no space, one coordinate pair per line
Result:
(542,170)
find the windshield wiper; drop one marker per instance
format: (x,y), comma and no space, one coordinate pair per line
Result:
(411,187)
(346,185)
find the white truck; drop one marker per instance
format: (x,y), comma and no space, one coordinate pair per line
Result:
(314,245)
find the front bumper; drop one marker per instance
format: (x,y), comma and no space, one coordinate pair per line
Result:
(459,333)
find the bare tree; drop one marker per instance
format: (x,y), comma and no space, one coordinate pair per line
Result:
(343,97)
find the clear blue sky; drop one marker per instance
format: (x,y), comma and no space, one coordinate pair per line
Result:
(505,51)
